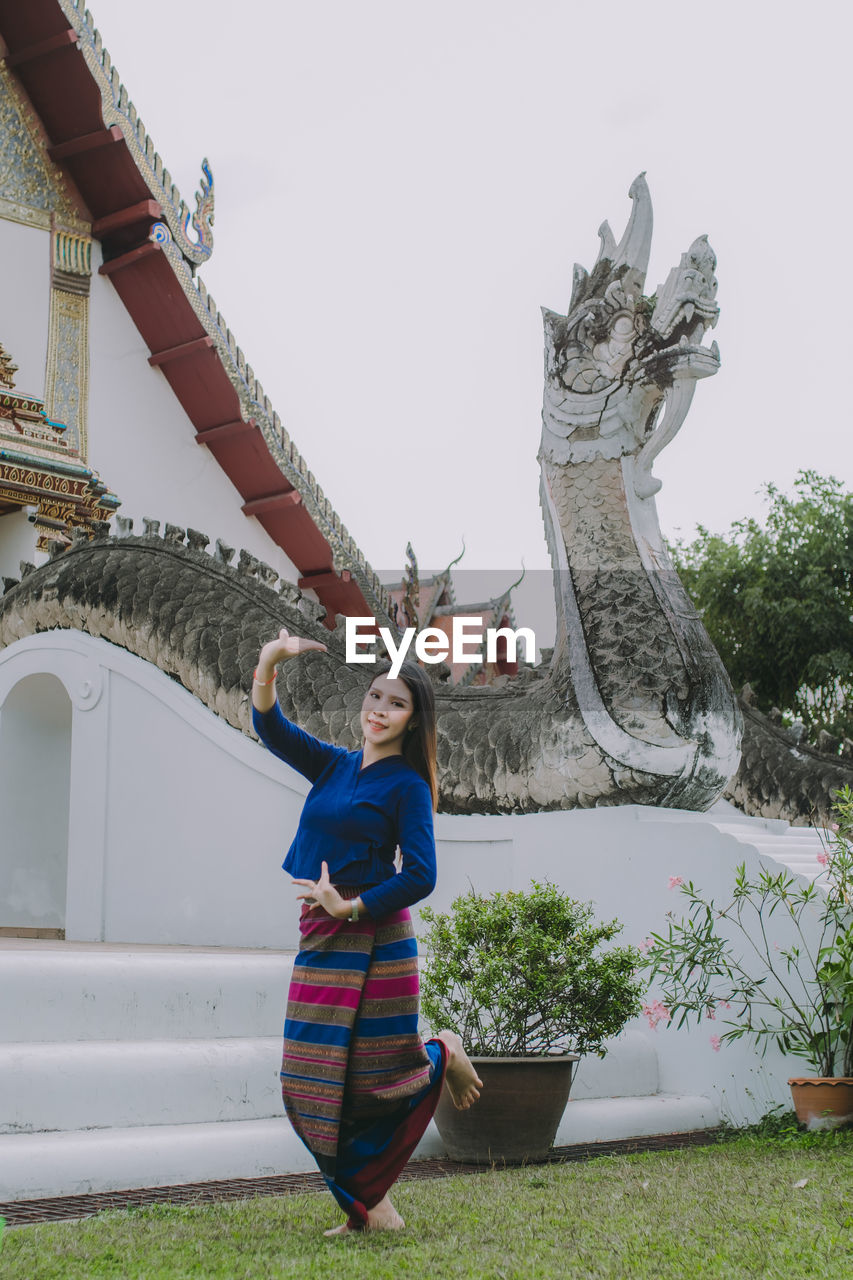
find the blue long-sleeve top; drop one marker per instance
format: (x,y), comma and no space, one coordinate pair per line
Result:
(354,818)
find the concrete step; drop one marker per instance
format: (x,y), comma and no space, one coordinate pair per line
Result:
(121,1083)
(72,991)
(629,1069)
(796,848)
(57,1164)
(810,835)
(117,1084)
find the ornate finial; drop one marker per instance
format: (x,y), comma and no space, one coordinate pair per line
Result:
(7,368)
(203,217)
(411,581)
(458,558)
(518,580)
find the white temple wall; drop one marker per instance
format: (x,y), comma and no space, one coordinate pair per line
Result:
(178,826)
(25,302)
(143,445)
(195,830)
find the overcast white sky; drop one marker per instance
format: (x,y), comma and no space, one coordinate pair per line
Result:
(400,186)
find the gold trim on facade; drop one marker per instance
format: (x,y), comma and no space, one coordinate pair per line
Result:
(66,394)
(32,188)
(40,460)
(7,368)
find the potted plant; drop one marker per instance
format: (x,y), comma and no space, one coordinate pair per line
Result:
(795,991)
(522,979)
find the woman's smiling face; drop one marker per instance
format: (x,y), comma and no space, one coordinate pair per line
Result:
(387,708)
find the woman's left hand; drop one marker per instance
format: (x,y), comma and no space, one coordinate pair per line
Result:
(324,892)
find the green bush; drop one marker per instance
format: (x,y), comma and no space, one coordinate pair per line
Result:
(518,974)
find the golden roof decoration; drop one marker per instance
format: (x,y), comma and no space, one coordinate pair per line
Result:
(7,368)
(32,187)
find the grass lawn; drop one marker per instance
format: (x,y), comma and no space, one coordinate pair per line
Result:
(730,1210)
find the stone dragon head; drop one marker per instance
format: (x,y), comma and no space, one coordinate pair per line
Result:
(618,357)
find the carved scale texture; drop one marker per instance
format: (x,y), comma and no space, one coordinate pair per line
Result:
(522,748)
(519,749)
(777,779)
(634,654)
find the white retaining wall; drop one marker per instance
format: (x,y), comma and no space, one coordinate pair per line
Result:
(168,1059)
(178,824)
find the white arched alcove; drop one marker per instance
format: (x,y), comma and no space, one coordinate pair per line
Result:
(35,779)
(177,823)
(53,753)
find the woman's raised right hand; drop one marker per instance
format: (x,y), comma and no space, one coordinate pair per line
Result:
(273,652)
(286,646)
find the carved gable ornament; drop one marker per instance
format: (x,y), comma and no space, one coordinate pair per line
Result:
(31,186)
(42,469)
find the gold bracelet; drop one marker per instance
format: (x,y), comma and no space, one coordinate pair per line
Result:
(264,683)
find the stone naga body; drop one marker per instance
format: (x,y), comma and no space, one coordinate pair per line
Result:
(634,707)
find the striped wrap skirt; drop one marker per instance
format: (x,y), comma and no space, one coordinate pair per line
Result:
(359,1084)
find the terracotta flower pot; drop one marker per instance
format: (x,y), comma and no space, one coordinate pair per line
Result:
(823,1102)
(518,1113)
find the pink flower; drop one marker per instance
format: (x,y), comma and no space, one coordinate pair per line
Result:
(675,881)
(709,1013)
(833,826)
(724,1004)
(715,1043)
(656,1012)
(822,859)
(645,945)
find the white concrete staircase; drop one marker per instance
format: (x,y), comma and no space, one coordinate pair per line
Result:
(125,1067)
(139,1066)
(795,848)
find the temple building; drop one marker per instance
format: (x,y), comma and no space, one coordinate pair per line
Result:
(127,407)
(122,387)
(431,602)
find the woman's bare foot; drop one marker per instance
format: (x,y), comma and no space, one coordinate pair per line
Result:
(382,1217)
(462,1080)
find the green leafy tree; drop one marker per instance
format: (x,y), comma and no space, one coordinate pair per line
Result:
(777,601)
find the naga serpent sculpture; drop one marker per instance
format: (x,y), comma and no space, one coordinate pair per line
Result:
(634,707)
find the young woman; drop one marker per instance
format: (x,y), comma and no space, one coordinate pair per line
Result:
(358,1082)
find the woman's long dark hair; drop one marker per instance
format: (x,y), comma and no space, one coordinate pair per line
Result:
(419,743)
